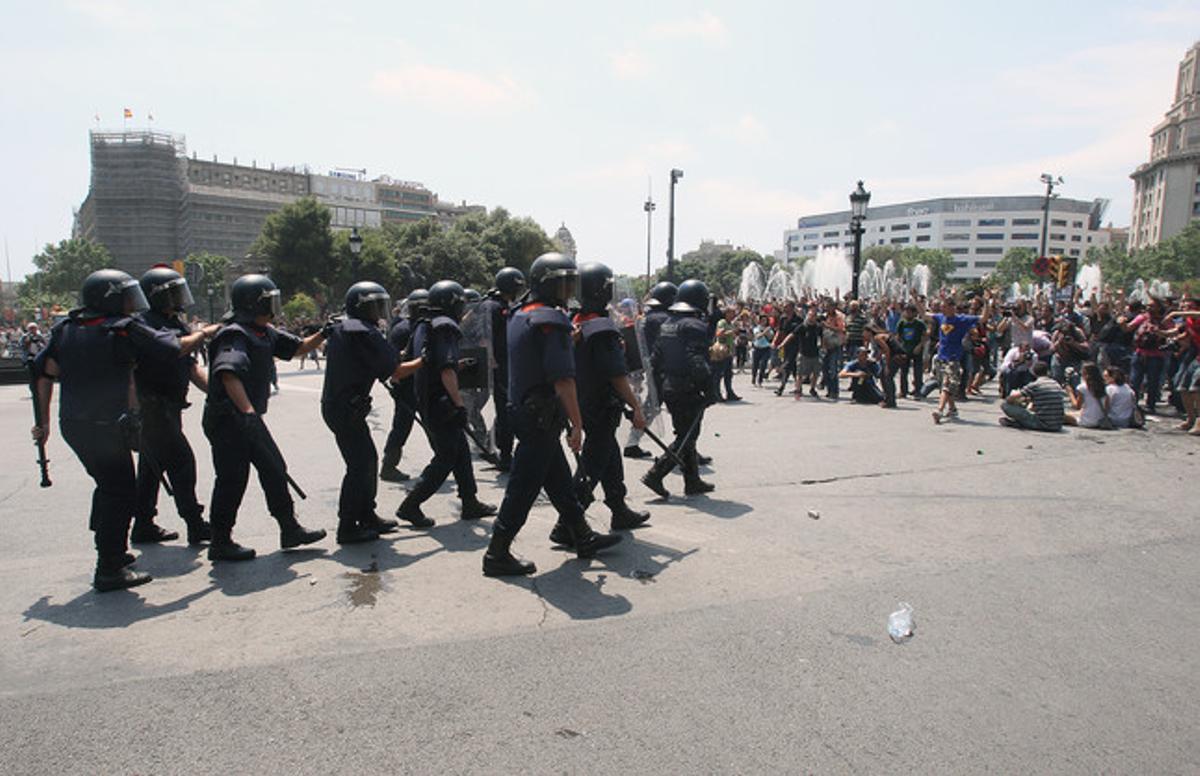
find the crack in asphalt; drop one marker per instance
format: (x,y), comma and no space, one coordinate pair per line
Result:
(15,491)
(533,585)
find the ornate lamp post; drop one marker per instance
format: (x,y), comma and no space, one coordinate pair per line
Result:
(858,213)
(648,206)
(356,242)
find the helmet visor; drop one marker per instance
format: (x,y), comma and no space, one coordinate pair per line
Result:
(270,303)
(374,307)
(179,295)
(132,298)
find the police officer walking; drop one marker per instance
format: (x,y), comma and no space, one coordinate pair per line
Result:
(92,354)
(510,285)
(542,400)
(404,397)
(357,354)
(442,409)
(239,384)
(162,390)
(662,296)
(681,357)
(604,391)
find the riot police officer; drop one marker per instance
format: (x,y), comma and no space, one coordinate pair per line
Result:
(404,397)
(239,384)
(442,410)
(92,353)
(357,354)
(603,388)
(542,400)
(681,357)
(162,396)
(510,285)
(662,296)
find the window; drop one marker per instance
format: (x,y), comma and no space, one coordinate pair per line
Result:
(812,236)
(985,264)
(901,227)
(1074,252)
(990,236)
(960,251)
(1057,236)
(960,264)
(922,238)
(830,234)
(1077,224)
(1025,235)
(899,240)
(957,222)
(810,247)
(1076,238)
(927,224)
(1058,222)
(956,236)
(980,251)
(1057,250)
(830,245)
(1026,221)
(990,222)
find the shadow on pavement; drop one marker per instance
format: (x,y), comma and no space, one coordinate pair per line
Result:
(237,578)
(169,560)
(461,535)
(379,555)
(718,507)
(107,610)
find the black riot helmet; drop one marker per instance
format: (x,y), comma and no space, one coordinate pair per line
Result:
(471,296)
(112,292)
(166,290)
(662,295)
(552,279)
(368,302)
(595,286)
(446,297)
(254,295)
(692,297)
(511,282)
(416,303)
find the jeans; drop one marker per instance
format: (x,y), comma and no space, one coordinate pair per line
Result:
(913,366)
(1150,369)
(760,366)
(722,371)
(831,364)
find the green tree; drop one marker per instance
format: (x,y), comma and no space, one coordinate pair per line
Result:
(297,245)
(62,268)
(376,262)
(882,254)
(300,306)
(722,274)
(213,267)
(1015,267)
(939,261)
(1175,259)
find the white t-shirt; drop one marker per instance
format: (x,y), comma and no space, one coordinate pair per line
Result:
(1093,410)
(1120,405)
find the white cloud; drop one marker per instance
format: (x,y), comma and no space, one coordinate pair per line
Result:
(742,197)
(649,159)
(629,64)
(707,27)
(457,91)
(746,129)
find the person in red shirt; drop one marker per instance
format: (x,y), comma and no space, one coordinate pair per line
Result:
(1149,358)
(1187,377)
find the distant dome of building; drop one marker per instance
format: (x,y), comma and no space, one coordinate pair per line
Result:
(565,240)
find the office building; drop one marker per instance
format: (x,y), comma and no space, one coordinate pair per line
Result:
(977,231)
(1166,189)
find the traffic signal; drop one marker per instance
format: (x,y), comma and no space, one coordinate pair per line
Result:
(1065,275)
(1051,266)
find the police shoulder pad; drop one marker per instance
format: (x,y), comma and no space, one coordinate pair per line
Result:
(355,326)
(119,324)
(594,326)
(443,322)
(549,316)
(231,330)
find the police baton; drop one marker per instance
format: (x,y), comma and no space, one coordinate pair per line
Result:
(42,461)
(665,447)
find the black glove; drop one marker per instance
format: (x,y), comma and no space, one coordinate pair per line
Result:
(458,416)
(130,425)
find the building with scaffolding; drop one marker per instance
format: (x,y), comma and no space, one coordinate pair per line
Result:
(150,203)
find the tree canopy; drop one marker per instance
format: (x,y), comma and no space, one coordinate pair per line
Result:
(62,268)
(297,244)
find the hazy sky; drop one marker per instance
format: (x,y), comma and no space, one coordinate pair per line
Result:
(565,111)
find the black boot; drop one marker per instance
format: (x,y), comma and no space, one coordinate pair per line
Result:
(223,547)
(473,509)
(703,460)
(149,532)
(561,535)
(653,479)
(350,532)
(694,486)
(292,534)
(505,464)
(392,474)
(113,576)
(635,451)
(128,559)
(198,529)
(379,524)
(499,561)
(588,542)
(624,518)
(410,512)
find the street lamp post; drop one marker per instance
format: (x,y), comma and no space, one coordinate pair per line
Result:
(211,312)
(676,174)
(1050,181)
(356,242)
(858,213)
(648,206)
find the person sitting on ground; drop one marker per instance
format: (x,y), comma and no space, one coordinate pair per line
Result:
(1038,406)
(1089,401)
(1016,368)
(1122,401)
(862,372)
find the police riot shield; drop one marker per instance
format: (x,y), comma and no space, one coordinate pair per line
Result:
(641,374)
(476,364)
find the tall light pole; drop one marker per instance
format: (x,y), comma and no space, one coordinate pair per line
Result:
(676,174)
(858,213)
(1050,181)
(356,242)
(648,206)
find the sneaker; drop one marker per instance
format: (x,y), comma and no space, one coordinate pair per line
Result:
(937,417)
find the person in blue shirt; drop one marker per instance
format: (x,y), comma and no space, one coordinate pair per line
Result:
(951,327)
(862,372)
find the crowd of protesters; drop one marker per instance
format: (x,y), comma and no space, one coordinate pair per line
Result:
(1104,363)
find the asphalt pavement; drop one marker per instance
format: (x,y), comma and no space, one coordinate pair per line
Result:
(1053,579)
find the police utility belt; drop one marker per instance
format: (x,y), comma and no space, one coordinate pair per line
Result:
(544,409)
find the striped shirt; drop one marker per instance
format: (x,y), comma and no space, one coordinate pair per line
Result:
(1046,401)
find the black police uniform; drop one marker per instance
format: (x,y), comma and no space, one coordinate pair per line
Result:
(162,389)
(497,309)
(404,405)
(96,355)
(681,358)
(600,357)
(240,440)
(438,341)
(652,323)
(356,355)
